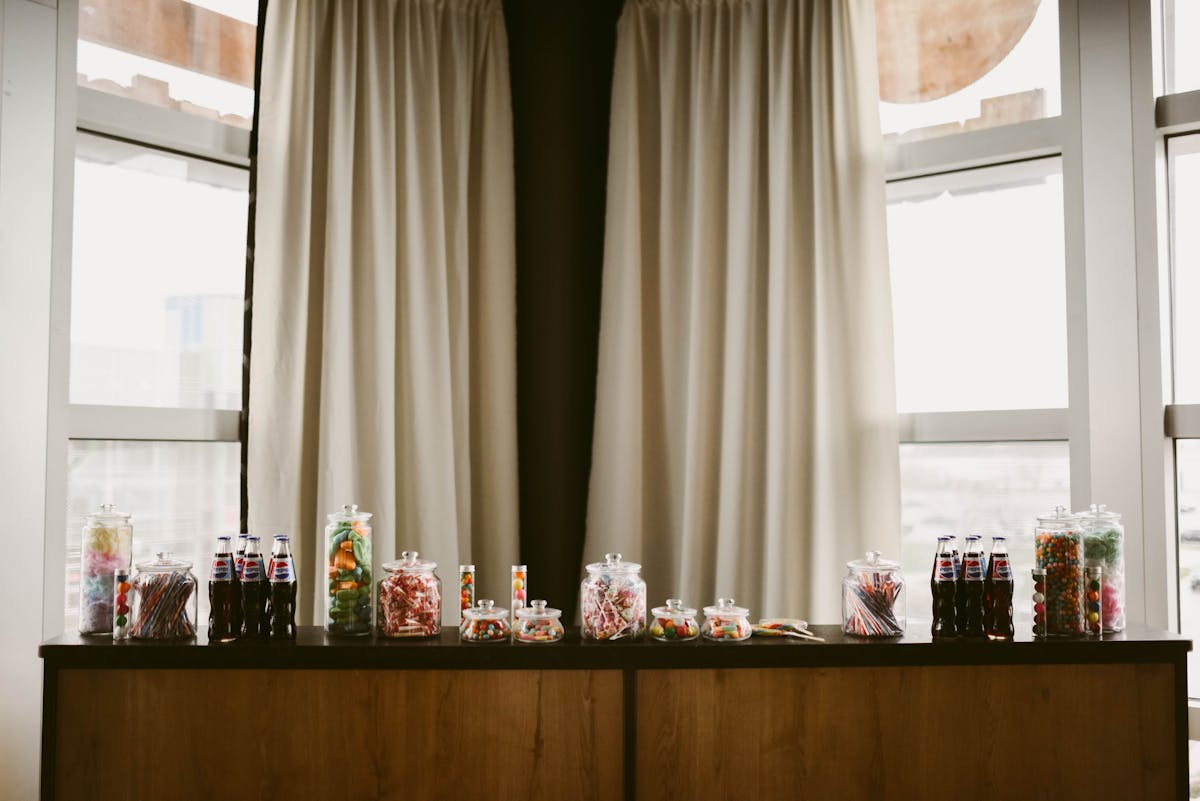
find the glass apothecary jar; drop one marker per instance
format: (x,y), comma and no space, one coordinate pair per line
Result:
(613,600)
(165,604)
(485,622)
(410,598)
(1104,545)
(726,622)
(106,547)
(873,598)
(674,622)
(538,623)
(1058,549)
(348,547)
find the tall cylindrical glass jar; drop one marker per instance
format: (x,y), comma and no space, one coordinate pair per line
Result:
(348,604)
(1058,549)
(1104,545)
(410,598)
(107,546)
(613,600)
(164,600)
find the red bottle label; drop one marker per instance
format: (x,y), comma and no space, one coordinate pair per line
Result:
(253,569)
(222,569)
(281,569)
(945,569)
(973,568)
(1001,569)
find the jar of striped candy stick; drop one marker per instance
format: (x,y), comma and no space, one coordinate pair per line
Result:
(164,600)
(873,598)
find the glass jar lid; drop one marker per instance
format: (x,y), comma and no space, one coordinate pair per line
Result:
(349,514)
(725,607)
(164,563)
(613,563)
(108,515)
(1098,513)
(873,563)
(410,562)
(537,610)
(1061,518)
(486,610)
(674,609)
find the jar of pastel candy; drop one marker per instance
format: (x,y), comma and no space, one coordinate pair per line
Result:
(674,622)
(485,622)
(538,623)
(613,600)
(726,622)
(1104,545)
(348,549)
(410,598)
(164,600)
(1058,549)
(873,598)
(107,547)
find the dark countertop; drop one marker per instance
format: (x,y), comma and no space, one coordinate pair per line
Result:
(312,650)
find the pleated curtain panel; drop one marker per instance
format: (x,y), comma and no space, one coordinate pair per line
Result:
(383,364)
(745,429)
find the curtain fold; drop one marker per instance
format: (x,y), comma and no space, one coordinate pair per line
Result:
(745,436)
(383,334)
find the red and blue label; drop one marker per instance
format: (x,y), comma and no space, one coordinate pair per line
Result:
(281,569)
(238,562)
(945,570)
(253,569)
(222,569)
(1001,569)
(973,568)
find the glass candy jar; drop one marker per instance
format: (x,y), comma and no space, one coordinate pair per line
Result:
(1058,549)
(873,598)
(538,623)
(1104,545)
(674,622)
(348,550)
(726,622)
(484,622)
(106,547)
(613,600)
(410,598)
(164,600)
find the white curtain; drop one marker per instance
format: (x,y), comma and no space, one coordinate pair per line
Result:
(745,439)
(382,351)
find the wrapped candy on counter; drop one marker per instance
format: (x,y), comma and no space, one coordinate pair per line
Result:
(348,546)
(410,598)
(674,622)
(613,600)
(107,547)
(485,623)
(873,598)
(726,622)
(538,623)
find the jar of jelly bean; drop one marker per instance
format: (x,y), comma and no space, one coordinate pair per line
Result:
(485,622)
(348,550)
(1093,610)
(1058,549)
(164,600)
(410,598)
(613,600)
(726,622)
(1104,545)
(538,623)
(674,622)
(106,547)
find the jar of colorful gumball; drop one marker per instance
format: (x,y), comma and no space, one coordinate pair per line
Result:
(613,600)
(348,546)
(538,623)
(1104,545)
(410,598)
(674,622)
(1058,549)
(164,600)
(873,598)
(107,546)
(1093,612)
(485,622)
(1039,602)
(726,622)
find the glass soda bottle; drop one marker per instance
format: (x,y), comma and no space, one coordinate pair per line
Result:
(970,611)
(238,558)
(281,597)
(998,593)
(960,599)
(223,595)
(254,591)
(943,586)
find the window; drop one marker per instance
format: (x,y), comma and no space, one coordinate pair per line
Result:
(1181,60)
(1184,171)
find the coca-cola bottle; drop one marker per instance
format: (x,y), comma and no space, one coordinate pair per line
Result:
(223,595)
(970,609)
(998,593)
(281,598)
(254,592)
(238,557)
(943,586)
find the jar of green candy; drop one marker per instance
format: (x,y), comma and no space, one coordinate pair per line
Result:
(1058,549)
(1104,545)
(348,603)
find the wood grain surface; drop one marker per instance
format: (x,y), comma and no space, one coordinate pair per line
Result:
(1056,732)
(254,734)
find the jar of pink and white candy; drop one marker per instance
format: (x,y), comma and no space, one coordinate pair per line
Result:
(538,623)
(726,622)
(107,546)
(410,598)
(613,600)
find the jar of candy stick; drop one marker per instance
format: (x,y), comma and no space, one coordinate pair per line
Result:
(674,622)
(726,622)
(485,622)
(538,623)
(1058,549)
(164,600)
(410,598)
(348,549)
(107,547)
(1104,545)
(613,600)
(873,598)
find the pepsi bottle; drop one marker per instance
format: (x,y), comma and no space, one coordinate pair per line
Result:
(254,592)
(998,593)
(223,595)
(281,596)
(238,558)
(943,586)
(970,607)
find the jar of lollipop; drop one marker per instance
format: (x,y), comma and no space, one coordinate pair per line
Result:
(348,549)
(410,598)
(164,600)
(538,623)
(674,622)
(107,546)
(613,600)
(1058,549)
(485,622)
(1104,545)
(726,622)
(873,598)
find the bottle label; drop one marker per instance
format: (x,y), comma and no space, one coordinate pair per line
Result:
(957,566)
(1001,569)
(239,562)
(945,569)
(973,568)
(281,569)
(253,569)
(222,569)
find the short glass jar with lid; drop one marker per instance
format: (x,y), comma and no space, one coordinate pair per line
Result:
(485,622)
(165,605)
(538,623)
(873,598)
(410,598)
(674,622)
(612,600)
(726,622)
(106,546)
